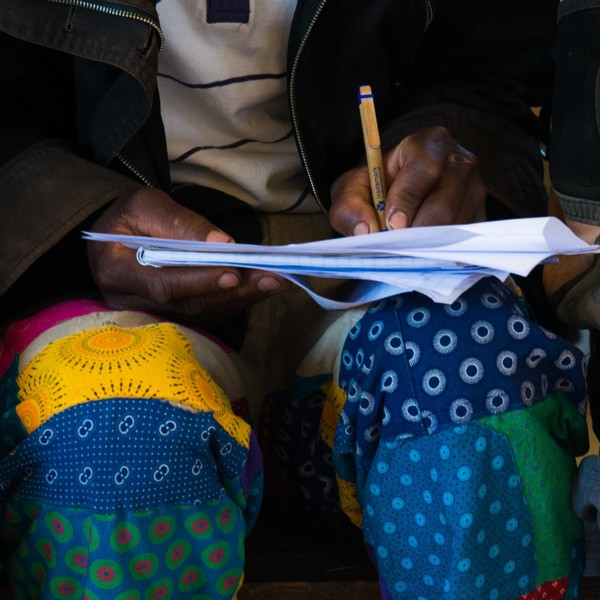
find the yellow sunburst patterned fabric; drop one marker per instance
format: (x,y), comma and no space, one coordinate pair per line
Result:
(349,501)
(149,362)
(335,397)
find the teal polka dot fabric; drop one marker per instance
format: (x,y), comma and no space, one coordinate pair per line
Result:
(445,510)
(444,501)
(457,431)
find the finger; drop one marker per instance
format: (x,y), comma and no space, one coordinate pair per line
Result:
(177,222)
(255,287)
(414,172)
(117,271)
(152,212)
(352,211)
(178,283)
(459,197)
(208,307)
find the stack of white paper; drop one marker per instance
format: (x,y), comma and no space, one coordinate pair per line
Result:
(440,262)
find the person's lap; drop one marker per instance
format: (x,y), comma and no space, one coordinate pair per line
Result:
(479,394)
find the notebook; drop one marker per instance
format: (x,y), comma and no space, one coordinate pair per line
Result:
(440,262)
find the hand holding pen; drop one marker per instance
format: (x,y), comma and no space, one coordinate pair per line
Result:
(430,180)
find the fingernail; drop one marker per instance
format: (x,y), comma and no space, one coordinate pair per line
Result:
(398,220)
(361,228)
(218,237)
(228,280)
(268,284)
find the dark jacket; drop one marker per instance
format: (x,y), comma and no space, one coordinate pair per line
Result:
(575,143)
(80,116)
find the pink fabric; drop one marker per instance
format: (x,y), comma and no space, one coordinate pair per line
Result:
(21,333)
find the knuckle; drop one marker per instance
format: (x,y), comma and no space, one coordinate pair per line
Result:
(464,158)
(334,211)
(480,190)
(440,131)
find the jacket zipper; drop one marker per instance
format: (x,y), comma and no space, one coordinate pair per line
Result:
(294,107)
(293,73)
(182,186)
(117,12)
(133,169)
(126,14)
(429,16)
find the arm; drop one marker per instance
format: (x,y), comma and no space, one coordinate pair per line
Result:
(477,73)
(50,185)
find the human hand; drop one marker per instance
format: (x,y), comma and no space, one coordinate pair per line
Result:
(210,293)
(432,180)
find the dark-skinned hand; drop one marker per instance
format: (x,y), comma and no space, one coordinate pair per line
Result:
(431,179)
(209,293)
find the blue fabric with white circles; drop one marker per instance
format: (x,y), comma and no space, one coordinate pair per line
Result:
(444,514)
(134,455)
(410,367)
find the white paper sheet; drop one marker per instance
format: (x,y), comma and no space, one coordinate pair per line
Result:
(440,262)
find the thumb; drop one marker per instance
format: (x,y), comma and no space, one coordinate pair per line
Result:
(152,212)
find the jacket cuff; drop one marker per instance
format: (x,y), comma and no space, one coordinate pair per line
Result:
(567,7)
(46,192)
(579,209)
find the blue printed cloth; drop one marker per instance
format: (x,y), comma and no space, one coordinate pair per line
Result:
(455,439)
(122,496)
